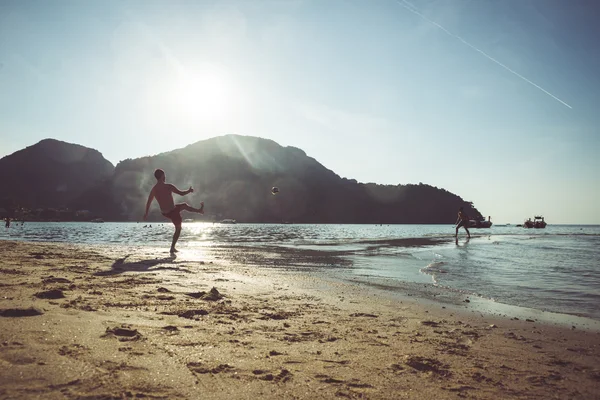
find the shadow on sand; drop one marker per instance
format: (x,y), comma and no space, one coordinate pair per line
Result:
(121,265)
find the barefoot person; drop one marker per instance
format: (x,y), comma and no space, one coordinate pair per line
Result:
(163,192)
(462,220)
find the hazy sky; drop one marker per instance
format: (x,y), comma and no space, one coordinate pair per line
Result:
(498,102)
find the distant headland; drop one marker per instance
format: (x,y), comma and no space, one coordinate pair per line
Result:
(232,174)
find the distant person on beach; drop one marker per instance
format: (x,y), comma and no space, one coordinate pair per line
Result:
(7,220)
(163,192)
(462,220)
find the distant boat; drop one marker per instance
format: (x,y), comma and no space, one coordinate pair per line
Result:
(188,220)
(538,222)
(97,220)
(480,223)
(228,221)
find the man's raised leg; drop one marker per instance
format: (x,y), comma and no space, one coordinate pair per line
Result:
(185,206)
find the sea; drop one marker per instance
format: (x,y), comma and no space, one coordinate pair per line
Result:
(553,271)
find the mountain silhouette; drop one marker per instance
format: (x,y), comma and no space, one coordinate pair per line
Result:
(51,173)
(234,174)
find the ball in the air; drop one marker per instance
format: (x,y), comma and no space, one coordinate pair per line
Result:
(274,190)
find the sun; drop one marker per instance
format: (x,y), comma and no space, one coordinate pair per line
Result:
(201,95)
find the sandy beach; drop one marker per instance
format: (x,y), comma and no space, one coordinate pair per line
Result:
(85,322)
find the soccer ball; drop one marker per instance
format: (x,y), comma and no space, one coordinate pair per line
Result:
(274,190)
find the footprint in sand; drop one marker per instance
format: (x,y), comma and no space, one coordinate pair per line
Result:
(170,330)
(423,364)
(199,368)
(73,350)
(430,323)
(20,312)
(18,359)
(364,315)
(53,279)
(189,314)
(353,383)
(283,376)
(50,294)
(124,334)
(276,315)
(212,295)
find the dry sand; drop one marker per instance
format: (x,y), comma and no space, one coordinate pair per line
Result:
(81,322)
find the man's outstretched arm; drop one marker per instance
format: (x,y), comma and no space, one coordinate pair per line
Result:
(181,192)
(150,198)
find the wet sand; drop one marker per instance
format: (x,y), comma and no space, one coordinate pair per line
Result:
(83,322)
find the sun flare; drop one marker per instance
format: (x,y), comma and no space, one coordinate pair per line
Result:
(201,96)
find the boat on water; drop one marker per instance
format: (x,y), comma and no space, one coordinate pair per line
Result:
(228,221)
(98,220)
(480,223)
(538,222)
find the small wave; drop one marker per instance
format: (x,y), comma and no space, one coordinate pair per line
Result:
(434,269)
(407,242)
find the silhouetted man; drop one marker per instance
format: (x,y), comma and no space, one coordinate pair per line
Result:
(163,192)
(462,220)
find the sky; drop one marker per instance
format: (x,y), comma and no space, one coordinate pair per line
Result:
(496,101)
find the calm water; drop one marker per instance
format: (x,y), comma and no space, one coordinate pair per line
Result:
(553,269)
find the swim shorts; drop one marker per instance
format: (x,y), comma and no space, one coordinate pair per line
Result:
(175,216)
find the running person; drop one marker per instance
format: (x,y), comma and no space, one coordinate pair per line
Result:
(163,192)
(462,220)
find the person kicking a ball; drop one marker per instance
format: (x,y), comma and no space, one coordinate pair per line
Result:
(163,192)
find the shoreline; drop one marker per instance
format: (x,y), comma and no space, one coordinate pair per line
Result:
(389,285)
(119,324)
(460,301)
